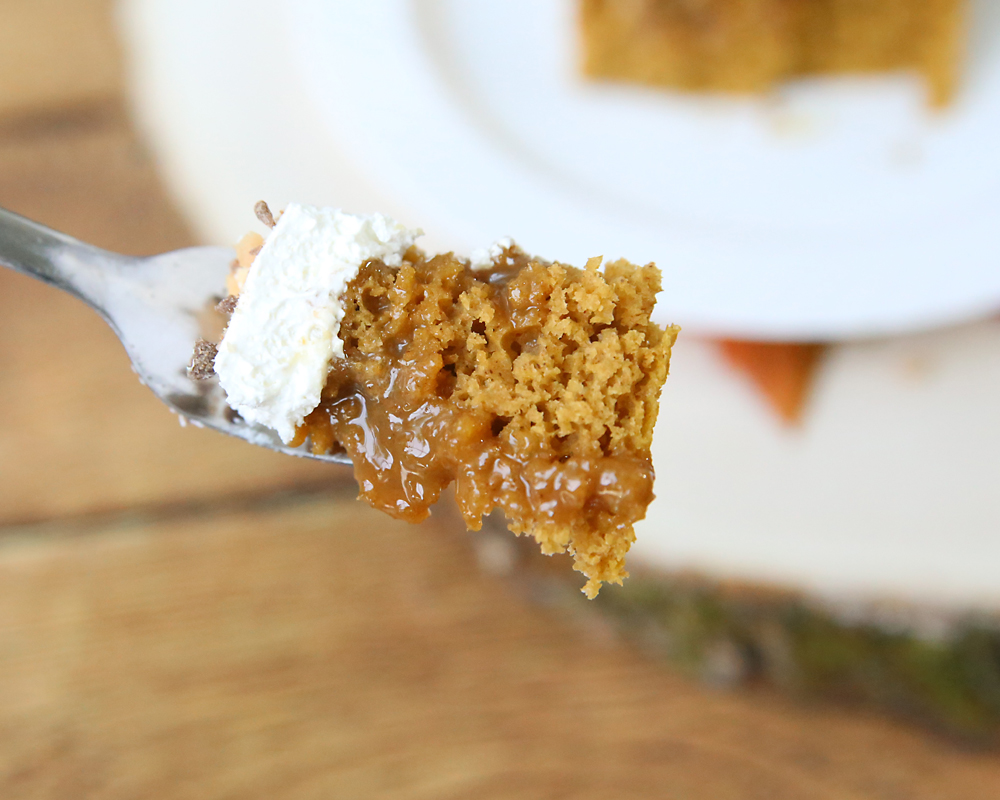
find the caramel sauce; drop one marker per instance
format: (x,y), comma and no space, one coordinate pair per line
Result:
(531,386)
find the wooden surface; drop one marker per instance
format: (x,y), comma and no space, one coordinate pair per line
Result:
(184,616)
(56,55)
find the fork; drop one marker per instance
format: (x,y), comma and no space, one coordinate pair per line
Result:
(155,305)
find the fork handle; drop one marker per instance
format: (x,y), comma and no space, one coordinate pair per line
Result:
(54,257)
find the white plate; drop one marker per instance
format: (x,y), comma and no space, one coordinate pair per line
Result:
(839,208)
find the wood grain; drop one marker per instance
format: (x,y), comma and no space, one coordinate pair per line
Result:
(317,649)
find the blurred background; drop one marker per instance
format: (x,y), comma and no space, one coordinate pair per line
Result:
(814,604)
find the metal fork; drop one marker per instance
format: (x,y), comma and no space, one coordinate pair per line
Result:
(155,305)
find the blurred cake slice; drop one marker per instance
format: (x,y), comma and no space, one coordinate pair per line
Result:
(531,386)
(750,45)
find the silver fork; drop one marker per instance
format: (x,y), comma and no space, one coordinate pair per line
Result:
(155,305)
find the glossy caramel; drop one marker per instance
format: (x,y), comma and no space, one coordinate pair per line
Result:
(531,386)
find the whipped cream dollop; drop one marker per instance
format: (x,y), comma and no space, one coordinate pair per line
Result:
(275,356)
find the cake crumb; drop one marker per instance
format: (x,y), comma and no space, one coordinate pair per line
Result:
(264,213)
(202,366)
(227,305)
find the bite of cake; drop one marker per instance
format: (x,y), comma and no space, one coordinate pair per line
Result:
(532,386)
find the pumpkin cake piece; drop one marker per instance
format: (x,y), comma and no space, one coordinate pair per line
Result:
(751,45)
(532,386)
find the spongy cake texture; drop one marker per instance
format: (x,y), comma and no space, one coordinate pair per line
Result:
(533,386)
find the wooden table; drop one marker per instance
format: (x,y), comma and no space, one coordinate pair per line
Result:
(182,615)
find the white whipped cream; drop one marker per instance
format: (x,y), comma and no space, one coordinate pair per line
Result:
(274,358)
(484,257)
